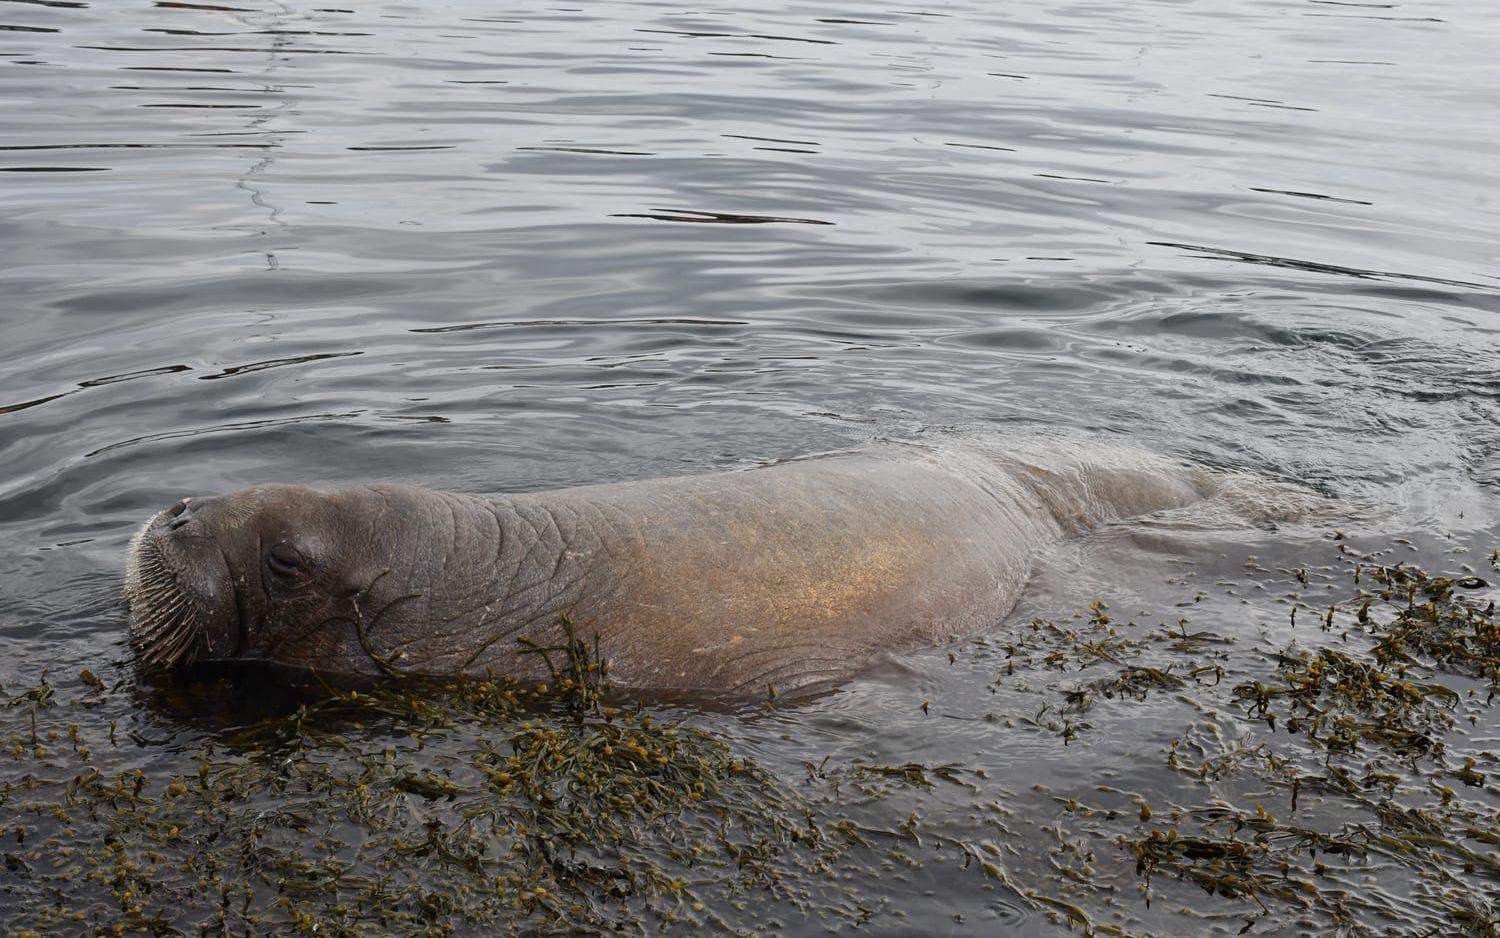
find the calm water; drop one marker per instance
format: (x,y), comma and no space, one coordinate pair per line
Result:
(500,247)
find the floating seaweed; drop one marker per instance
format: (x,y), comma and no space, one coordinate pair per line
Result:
(1322,779)
(555,812)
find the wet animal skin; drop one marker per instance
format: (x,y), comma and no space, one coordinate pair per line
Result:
(793,575)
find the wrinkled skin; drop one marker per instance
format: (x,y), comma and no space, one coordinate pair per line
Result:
(791,575)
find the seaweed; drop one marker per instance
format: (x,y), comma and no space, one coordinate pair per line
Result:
(1331,782)
(556,812)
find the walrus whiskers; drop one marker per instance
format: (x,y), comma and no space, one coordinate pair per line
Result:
(166,620)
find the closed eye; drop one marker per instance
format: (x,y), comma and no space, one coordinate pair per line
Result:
(285,562)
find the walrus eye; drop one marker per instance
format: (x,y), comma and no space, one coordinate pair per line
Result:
(285,562)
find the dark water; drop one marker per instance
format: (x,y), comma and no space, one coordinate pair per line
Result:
(502,247)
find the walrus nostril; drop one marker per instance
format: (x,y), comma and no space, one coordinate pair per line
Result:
(180,514)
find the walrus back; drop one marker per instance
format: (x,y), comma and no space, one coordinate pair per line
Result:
(1086,484)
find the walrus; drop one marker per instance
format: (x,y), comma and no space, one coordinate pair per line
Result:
(787,576)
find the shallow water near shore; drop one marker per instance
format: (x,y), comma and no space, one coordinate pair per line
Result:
(510,248)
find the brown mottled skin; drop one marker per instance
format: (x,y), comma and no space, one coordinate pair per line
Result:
(789,575)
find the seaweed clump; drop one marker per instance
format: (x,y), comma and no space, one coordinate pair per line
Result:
(407,809)
(1436,623)
(1339,778)
(1366,730)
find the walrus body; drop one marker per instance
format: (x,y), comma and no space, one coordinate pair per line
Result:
(789,575)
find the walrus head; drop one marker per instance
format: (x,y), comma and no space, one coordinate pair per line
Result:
(298,576)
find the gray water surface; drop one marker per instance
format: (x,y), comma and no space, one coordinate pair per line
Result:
(507,247)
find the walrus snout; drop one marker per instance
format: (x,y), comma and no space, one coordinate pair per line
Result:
(180,596)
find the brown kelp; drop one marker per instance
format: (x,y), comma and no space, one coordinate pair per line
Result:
(1339,776)
(411,808)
